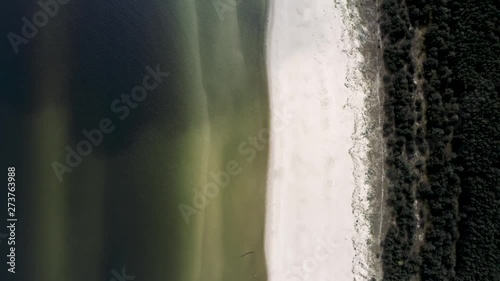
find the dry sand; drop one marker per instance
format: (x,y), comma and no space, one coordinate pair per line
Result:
(316,227)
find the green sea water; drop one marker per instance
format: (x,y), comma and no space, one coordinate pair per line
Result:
(133,203)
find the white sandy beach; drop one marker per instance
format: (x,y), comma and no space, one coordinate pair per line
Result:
(313,178)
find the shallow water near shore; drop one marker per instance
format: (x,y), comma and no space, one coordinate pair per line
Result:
(119,208)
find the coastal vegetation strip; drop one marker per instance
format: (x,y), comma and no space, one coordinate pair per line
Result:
(441,129)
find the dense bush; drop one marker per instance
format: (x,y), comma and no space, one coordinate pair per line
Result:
(456,127)
(399,259)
